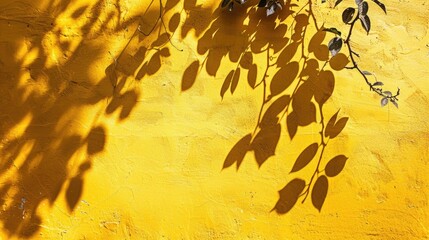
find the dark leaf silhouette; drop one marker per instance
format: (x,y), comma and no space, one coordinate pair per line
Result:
(381,5)
(339,62)
(265,143)
(289,196)
(305,157)
(161,40)
(190,75)
(388,93)
(235,79)
(303,107)
(317,39)
(283,78)
(319,192)
(237,153)
(332,30)
(384,101)
(378,84)
(224,3)
(252,75)
(324,86)
(311,69)
(348,14)
(154,64)
(292,124)
(394,103)
(366,73)
(336,129)
(331,123)
(271,114)
(226,83)
(246,60)
(337,2)
(96,140)
(174,22)
(335,45)
(335,165)
(363,8)
(74,192)
(321,51)
(366,23)
(287,54)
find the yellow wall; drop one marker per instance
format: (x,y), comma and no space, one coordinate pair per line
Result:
(110,134)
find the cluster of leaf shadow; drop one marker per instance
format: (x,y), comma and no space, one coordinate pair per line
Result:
(45,159)
(293,97)
(302,81)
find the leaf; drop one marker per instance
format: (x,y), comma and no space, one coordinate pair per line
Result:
(235,80)
(262,3)
(338,127)
(363,9)
(271,115)
(384,101)
(265,143)
(246,60)
(305,157)
(174,22)
(319,192)
(388,93)
(339,62)
(335,45)
(225,2)
(190,75)
(366,23)
(238,152)
(284,78)
(335,165)
(226,83)
(366,73)
(324,85)
(377,84)
(292,124)
(74,192)
(394,103)
(332,30)
(358,1)
(231,6)
(381,5)
(252,75)
(348,14)
(331,123)
(337,2)
(96,140)
(288,196)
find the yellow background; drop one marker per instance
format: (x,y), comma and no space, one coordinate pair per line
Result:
(110,134)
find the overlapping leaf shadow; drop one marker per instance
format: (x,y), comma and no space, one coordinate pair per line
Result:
(48,141)
(302,82)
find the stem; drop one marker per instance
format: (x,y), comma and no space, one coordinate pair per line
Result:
(352,53)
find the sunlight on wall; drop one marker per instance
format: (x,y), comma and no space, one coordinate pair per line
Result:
(209,124)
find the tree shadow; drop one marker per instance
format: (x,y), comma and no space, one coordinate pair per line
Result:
(302,81)
(48,137)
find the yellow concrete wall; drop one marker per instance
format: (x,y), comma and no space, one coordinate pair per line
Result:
(110,134)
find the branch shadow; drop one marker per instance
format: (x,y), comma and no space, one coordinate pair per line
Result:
(48,139)
(302,81)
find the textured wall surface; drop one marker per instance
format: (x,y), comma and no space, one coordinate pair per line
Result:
(208,124)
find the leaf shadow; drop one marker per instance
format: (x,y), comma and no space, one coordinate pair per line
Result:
(293,98)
